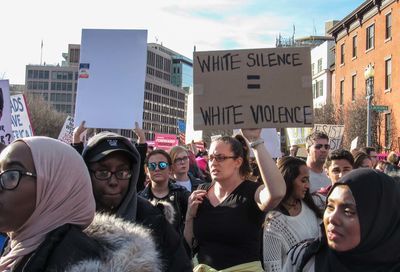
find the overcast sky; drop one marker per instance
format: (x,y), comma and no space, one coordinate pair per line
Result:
(177,24)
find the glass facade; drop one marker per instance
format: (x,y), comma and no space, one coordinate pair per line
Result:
(182,72)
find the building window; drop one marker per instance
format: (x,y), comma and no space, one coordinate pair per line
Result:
(354,46)
(370,37)
(341,95)
(315,90)
(388,130)
(319,65)
(62,75)
(74,55)
(388,74)
(313,69)
(353,87)
(388,29)
(320,89)
(342,53)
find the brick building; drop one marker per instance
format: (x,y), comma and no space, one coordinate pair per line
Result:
(368,35)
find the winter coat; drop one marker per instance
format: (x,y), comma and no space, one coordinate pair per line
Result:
(108,244)
(178,197)
(138,210)
(195,181)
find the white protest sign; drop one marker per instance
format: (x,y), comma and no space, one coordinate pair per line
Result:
(354,144)
(334,132)
(191,134)
(214,137)
(20,121)
(67,130)
(297,136)
(5,113)
(251,88)
(111,78)
(272,141)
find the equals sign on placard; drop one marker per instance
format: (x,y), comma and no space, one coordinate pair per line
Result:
(252,82)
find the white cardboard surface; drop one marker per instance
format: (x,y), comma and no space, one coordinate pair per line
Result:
(112,78)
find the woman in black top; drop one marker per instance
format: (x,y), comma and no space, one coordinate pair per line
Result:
(225,218)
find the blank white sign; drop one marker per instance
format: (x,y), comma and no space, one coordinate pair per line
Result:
(111,78)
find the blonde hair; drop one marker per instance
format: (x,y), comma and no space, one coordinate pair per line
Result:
(393,158)
(173,152)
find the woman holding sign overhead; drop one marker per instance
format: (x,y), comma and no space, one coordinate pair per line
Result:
(224,219)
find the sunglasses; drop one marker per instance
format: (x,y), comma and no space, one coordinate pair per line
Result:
(319,146)
(161,165)
(221,158)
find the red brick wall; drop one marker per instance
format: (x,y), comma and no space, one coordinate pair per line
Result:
(376,56)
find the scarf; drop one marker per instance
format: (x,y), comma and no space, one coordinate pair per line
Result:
(377,198)
(63,196)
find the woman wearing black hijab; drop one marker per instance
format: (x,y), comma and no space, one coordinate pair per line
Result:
(361,225)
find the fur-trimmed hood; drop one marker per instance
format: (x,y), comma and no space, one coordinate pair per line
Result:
(126,247)
(166,208)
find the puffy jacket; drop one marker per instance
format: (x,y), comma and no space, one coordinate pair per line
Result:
(108,244)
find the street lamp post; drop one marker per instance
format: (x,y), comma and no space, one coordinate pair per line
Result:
(369,77)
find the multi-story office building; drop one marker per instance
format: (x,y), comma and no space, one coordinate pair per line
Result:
(368,35)
(56,83)
(168,76)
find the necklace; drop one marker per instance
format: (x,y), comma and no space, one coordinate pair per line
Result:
(292,206)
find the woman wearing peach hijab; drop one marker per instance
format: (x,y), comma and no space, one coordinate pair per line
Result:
(46,202)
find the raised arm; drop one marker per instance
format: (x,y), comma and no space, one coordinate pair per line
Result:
(76,136)
(139,133)
(271,193)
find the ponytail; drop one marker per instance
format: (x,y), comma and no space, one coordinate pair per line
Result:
(240,149)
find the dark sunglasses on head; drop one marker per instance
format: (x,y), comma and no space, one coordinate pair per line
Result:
(319,146)
(161,165)
(180,160)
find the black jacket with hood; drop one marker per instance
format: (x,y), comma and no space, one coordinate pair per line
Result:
(137,209)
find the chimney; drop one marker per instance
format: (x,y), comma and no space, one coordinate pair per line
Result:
(329,25)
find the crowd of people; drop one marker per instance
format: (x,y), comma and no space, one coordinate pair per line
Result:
(114,204)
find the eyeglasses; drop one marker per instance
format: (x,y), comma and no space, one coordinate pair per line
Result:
(319,146)
(221,158)
(10,179)
(161,165)
(180,160)
(106,175)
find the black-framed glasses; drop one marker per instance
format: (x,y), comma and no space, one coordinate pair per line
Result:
(181,160)
(10,179)
(221,158)
(161,165)
(106,175)
(319,146)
